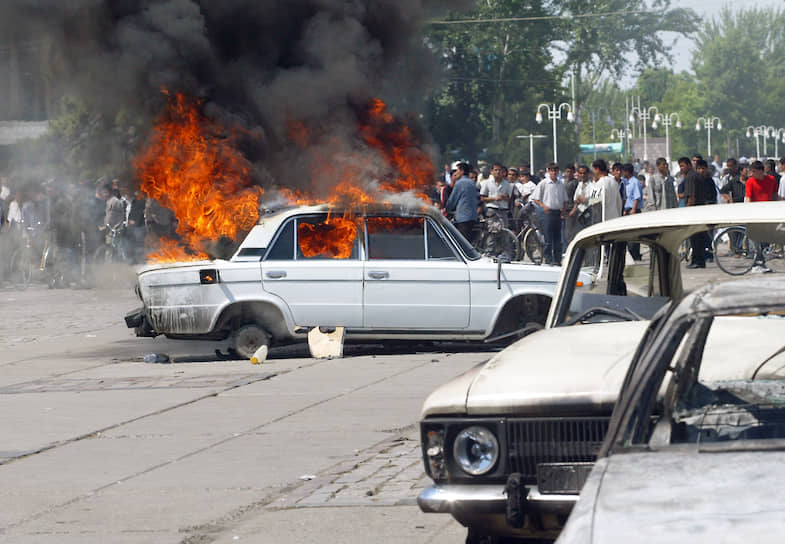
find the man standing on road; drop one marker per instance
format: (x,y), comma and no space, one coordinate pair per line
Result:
(761,187)
(464,200)
(733,189)
(660,190)
(551,197)
(781,191)
(696,192)
(576,219)
(605,193)
(633,202)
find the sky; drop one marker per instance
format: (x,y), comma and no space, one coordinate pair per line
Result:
(709,9)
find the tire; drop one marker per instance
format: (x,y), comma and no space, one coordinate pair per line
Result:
(734,252)
(21,269)
(248,338)
(533,246)
(511,244)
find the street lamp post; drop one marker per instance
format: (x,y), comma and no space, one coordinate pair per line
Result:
(531,138)
(708,124)
(756,132)
(594,115)
(775,134)
(644,114)
(554,114)
(779,133)
(667,120)
(622,133)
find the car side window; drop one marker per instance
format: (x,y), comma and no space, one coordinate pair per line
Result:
(283,247)
(396,238)
(327,237)
(438,248)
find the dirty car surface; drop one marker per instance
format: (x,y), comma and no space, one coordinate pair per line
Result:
(697,441)
(510,444)
(381,272)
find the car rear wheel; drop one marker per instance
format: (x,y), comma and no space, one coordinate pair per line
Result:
(248,338)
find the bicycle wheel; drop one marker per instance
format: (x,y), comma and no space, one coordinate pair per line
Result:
(734,252)
(533,246)
(21,269)
(510,244)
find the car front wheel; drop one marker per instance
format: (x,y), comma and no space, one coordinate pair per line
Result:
(248,338)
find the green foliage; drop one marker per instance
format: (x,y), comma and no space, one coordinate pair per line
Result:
(497,73)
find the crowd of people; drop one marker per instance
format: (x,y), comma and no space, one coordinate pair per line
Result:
(78,219)
(568,200)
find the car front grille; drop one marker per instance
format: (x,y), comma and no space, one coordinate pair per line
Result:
(552,440)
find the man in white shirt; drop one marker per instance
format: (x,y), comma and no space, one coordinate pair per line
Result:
(551,196)
(781,190)
(605,192)
(495,193)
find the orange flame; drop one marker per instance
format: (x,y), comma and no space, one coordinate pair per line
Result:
(191,167)
(334,238)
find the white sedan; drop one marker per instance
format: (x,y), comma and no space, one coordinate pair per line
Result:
(384,272)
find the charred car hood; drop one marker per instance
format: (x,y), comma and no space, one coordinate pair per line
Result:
(685,496)
(559,370)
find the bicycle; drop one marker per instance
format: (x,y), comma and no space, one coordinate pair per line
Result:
(531,238)
(112,250)
(22,264)
(734,251)
(494,239)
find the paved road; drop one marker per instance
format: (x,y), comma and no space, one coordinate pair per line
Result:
(99,446)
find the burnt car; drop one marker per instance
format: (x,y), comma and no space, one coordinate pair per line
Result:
(696,442)
(382,272)
(510,443)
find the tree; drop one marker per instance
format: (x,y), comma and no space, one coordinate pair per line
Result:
(611,46)
(738,65)
(495,73)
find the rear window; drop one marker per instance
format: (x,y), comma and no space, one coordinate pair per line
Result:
(396,238)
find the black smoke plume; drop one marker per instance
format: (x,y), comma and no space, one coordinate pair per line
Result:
(256,64)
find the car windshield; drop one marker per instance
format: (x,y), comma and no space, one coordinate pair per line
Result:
(624,288)
(633,278)
(738,394)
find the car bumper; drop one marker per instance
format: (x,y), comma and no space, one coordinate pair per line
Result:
(456,499)
(137,320)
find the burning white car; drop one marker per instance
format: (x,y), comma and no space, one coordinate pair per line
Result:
(387,272)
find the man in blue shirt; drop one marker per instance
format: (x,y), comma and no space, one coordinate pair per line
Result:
(633,202)
(464,200)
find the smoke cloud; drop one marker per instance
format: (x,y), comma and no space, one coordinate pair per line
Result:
(257,64)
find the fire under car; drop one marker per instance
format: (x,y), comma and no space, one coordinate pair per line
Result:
(383,272)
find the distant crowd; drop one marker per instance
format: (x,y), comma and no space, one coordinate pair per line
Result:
(565,201)
(78,220)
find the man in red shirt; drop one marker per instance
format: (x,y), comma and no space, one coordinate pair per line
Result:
(760,188)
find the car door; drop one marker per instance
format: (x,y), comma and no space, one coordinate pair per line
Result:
(414,278)
(314,265)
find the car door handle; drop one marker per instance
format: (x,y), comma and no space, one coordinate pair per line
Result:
(378,274)
(276,274)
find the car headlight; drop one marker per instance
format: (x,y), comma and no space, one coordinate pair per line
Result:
(476,450)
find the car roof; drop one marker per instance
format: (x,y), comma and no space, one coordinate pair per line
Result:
(684,222)
(405,207)
(763,291)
